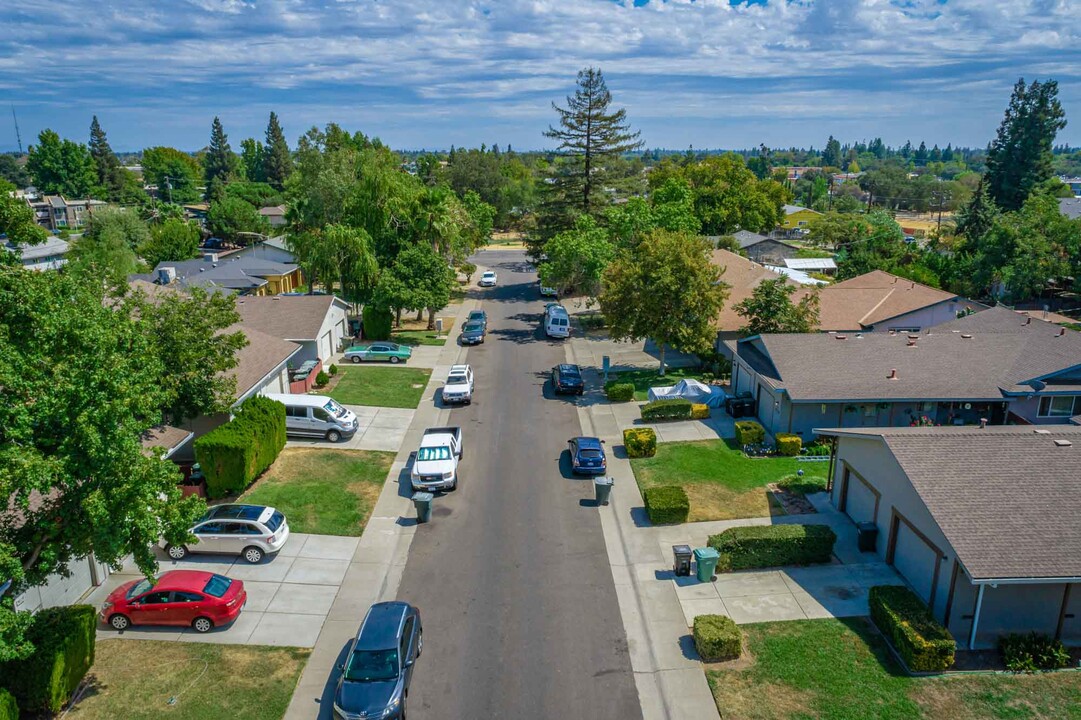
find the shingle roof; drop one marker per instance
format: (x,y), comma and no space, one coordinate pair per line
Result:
(167,437)
(742,276)
(875,297)
(746,238)
(1001,319)
(1007,498)
(290,317)
(1070,207)
(793,209)
(259,358)
(242,272)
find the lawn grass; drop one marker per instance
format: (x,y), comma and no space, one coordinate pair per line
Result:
(135,680)
(841,670)
(417,337)
(381,386)
(325,492)
(721,482)
(643,380)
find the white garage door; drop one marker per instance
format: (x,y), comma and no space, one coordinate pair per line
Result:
(915,560)
(326,348)
(860,503)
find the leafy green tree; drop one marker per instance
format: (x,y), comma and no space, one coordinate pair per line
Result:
(220,164)
(107,249)
(481,217)
(173,239)
(13,172)
(256,194)
(883,248)
(428,277)
(176,174)
(666,289)
(17,220)
(344,255)
(277,163)
(110,173)
(392,293)
(976,218)
(253,160)
(577,258)
(770,309)
(441,220)
(62,167)
(1020,158)
(834,230)
(235,221)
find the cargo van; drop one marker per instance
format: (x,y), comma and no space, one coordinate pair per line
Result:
(316,416)
(557,324)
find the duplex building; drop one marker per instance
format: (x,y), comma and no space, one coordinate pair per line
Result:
(56,213)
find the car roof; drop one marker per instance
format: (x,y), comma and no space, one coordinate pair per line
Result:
(297,400)
(489,272)
(237,511)
(379,631)
(183,580)
(477,312)
(588,443)
(458,368)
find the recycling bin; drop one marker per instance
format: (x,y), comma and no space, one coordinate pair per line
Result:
(706,561)
(422,501)
(866,536)
(681,564)
(602,488)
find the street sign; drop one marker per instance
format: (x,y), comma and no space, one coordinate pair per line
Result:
(605,364)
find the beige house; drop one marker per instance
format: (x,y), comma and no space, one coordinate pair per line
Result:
(741,276)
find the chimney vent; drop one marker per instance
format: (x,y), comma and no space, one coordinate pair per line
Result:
(1063,443)
(892,375)
(911,341)
(966,336)
(1061,332)
(983,423)
(842,337)
(1028,321)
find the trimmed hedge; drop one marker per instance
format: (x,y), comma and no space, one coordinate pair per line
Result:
(377,322)
(667,504)
(902,616)
(234,454)
(9,710)
(699,411)
(759,546)
(322,379)
(667,409)
(1031,652)
(749,432)
(619,392)
(640,442)
(333,369)
(789,444)
(717,637)
(63,639)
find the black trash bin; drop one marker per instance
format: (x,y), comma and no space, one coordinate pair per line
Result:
(682,560)
(866,536)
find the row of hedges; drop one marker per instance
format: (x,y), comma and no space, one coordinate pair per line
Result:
(922,643)
(748,432)
(789,444)
(699,411)
(668,409)
(63,639)
(667,504)
(234,454)
(717,637)
(1032,652)
(640,442)
(619,392)
(759,546)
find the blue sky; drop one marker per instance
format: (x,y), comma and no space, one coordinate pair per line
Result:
(431,73)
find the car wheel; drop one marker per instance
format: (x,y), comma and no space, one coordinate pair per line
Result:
(176,552)
(355,359)
(119,622)
(455,485)
(333,436)
(420,643)
(253,554)
(202,624)
(394,360)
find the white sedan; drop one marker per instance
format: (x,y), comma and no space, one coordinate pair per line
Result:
(488,279)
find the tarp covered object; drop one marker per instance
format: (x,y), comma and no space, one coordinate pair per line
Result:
(688,389)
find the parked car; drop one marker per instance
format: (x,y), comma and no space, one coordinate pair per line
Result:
(195,598)
(387,351)
(213,244)
(557,324)
(378,667)
(435,466)
(487,279)
(250,531)
(567,378)
(587,456)
(477,316)
(546,291)
(316,416)
(459,385)
(473,333)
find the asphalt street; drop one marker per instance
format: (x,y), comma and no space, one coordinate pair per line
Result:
(511,575)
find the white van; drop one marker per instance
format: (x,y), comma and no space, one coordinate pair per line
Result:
(557,324)
(316,416)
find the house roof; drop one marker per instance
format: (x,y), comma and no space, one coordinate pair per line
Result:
(290,317)
(52,246)
(793,209)
(746,238)
(810,263)
(742,276)
(263,355)
(166,437)
(1007,498)
(875,297)
(1070,207)
(1001,319)
(240,272)
(272,210)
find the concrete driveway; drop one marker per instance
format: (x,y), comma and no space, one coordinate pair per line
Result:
(378,428)
(289,594)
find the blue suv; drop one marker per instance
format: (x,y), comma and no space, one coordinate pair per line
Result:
(587,456)
(374,683)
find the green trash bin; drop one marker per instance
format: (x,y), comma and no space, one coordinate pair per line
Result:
(422,501)
(602,488)
(706,561)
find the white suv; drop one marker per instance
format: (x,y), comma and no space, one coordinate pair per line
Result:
(250,531)
(459,385)
(488,279)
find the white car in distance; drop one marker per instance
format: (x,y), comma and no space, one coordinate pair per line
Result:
(487,279)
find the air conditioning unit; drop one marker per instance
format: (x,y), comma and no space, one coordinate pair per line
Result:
(166,275)
(210,257)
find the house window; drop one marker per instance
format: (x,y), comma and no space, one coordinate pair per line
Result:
(1058,406)
(801,223)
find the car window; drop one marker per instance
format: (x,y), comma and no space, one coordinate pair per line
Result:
(217,585)
(210,528)
(334,408)
(372,665)
(590,454)
(434,453)
(186,597)
(139,588)
(320,414)
(378,348)
(407,636)
(297,412)
(155,598)
(275,521)
(249,529)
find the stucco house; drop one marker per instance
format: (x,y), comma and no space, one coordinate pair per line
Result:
(795,219)
(983,523)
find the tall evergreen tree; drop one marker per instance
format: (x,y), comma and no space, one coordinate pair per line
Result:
(107,164)
(253,160)
(277,163)
(1020,155)
(589,133)
(831,156)
(976,218)
(219,165)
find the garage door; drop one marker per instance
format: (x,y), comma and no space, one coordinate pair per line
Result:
(915,560)
(860,501)
(326,348)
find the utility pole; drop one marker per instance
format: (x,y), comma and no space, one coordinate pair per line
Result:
(830,191)
(17,135)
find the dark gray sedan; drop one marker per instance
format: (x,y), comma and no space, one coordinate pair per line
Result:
(473,333)
(379,665)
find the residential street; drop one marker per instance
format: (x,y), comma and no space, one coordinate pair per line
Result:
(511,576)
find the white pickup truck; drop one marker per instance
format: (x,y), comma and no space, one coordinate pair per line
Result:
(435,465)
(459,385)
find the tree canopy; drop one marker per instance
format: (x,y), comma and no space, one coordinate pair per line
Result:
(770,309)
(277,163)
(171,239)
(62,167)
(176,174)
(577,258)
(107,249)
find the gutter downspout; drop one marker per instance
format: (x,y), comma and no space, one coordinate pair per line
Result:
(976,618)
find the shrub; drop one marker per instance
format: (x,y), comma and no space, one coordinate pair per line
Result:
(922,643)
(760,546)
(591,321)
(789,444)
(699,411)
(619,392)
(667,409)
(667,504)
(322,379)
(377,322)
(333,369)
(802,485)
(749,432)
(640,442)
(234,454)
(816,449)
(1032,652)
(9,710)
(63,639)
(717,637)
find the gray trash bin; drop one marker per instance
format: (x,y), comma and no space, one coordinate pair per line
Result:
(602,488)
(681,564)
(423,502)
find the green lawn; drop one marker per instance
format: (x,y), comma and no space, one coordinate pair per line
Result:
(381,386)
(325,492)
(841,670)
(139,679)
(721,482)
(417,337)
(643,380)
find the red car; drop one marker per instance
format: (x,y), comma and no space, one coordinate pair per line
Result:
(200,599)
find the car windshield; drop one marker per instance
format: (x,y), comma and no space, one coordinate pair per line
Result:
(569,371)
(589,454)
(275,521)
(476,315)
(139,588)
(372,665)
(473,327)
(391,347)
(457,379)
(334,408)
(434,453)
(217,585)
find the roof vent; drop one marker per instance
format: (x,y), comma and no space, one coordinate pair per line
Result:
(911,342)
(1040,431)
(1027,321)
(859,336)
(913,337)
(1063,443)
(842,337)
(1061,332)
(892,375)
(966,336)
(983,423)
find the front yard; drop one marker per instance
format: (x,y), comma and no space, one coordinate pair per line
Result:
(395,387)
(418,337)
(644,379)
(721,482)
(841,669)
(136,679)
(323,492)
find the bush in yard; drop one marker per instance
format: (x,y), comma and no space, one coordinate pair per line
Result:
(63,639)
(699,411)
(333,369)
(9,710)
(667,409)
(234,454)
(1032,652)
(816,450)
(748,432)
(377,322)
(717,637)
(758,546)
(667,504)
(640,442)
(789,444)
(802,485)
(619,392)
(322,379)
(902,616)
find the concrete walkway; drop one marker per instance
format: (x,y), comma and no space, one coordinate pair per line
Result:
(378,428)
(629,415)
